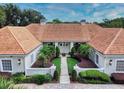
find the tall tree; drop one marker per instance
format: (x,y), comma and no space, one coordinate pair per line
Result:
(13,14)
(2,17)
(31,16)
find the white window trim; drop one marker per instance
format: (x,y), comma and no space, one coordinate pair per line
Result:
(2,65)
(96,59)
(116,65)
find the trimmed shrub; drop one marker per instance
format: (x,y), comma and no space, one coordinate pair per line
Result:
(18,78)
(48,78)
(57,52)
(73,50)
(4,83)
(38,79)
(93,76)
(28,80)
(56,75)
(74,75)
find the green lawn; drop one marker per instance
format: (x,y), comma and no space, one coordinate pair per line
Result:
(57,63)
(71,63)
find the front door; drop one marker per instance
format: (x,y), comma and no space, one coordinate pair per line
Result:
(64,47)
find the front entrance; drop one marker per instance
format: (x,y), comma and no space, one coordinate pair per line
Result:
(64,47)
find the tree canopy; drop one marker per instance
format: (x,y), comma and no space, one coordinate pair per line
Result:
(2,17)
(11,14)
(117,22)
(55,21)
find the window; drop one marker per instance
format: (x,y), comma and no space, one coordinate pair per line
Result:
(32,58)
(60,44)
(120,65)
(7,65)
(66,44)
(97,59)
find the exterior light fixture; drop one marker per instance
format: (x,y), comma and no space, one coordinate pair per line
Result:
(110,62)
(19,61)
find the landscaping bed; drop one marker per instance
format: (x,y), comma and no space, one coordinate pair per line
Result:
(117,78)
(37,79)
(86,63)
(57,63)
(45,56)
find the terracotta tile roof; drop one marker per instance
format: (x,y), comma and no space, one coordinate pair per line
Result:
(63,32)
(109,41)
(16,40)
(36,30)
(93,29)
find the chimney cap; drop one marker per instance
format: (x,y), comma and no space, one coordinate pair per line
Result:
(43,21)
(83,21)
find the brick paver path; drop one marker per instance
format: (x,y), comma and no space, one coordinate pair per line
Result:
(64,77)
(70,86)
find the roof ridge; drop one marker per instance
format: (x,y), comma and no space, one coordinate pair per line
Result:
(87,32)
(16,40)
(118,33)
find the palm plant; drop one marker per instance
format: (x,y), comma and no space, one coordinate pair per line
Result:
(84,50)
(43,58)
(46,53)
(4,83)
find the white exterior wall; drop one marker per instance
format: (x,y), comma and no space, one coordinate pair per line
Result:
(104,61)
(35,71)
(16,67)
(101,59)
(112,68)
(19,66)
(28,62)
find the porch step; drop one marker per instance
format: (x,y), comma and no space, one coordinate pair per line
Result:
(64,80)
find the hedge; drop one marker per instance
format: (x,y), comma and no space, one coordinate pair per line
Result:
(37,79)
(94,76)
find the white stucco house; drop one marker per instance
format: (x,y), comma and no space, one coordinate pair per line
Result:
(19,46)
(108,50)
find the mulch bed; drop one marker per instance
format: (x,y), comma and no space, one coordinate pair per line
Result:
(38,64)
(118,78)
(5,74)
(85,62)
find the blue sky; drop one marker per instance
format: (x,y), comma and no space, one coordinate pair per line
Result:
(76,12)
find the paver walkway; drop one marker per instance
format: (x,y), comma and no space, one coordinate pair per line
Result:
(70,86)
(64,77)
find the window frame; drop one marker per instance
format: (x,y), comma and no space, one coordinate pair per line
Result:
(116,65)
(32,58)
(97,59)
(2,65)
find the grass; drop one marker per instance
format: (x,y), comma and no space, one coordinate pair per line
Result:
(57,63)
(71,63)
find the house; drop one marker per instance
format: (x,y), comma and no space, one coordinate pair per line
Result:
(19,46)
(18,49)
(108,50)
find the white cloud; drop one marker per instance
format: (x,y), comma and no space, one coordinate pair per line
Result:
(95,5)
(64,9)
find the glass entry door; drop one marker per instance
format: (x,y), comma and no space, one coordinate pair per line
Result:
(64,47)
